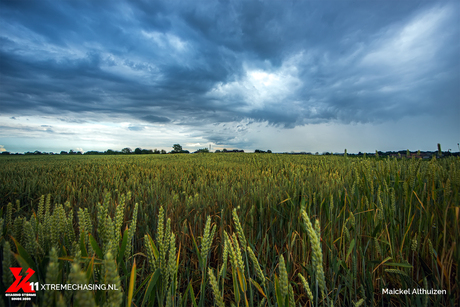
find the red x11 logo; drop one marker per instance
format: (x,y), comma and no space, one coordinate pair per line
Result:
(18,284)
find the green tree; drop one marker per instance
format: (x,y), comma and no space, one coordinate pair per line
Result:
(126,150)
(177,148)
(137,151)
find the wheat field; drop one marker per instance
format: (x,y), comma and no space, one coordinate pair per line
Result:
(232,229)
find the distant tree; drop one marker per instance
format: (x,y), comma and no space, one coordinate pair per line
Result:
(224,150)
(203,150)
(163,151)
(217,151)
(156,151)
(126,150)
(177,148)
(147,151)
(63,152)
(71,152)
(137,151)
(5,153)
(269,151)
(109,152)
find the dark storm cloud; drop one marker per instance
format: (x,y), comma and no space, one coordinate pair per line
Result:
(195,64)
(72,120)
(155,119)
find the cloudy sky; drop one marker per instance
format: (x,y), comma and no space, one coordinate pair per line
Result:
(280,75)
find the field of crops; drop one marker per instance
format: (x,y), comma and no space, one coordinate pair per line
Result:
(232,229)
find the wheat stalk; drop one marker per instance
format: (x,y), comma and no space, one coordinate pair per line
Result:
(306,286)
(239,229)
(215,289)
(317,253)
(51,277)
(114,297)
(283,277)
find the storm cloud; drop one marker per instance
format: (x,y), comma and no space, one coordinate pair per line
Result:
(215,69)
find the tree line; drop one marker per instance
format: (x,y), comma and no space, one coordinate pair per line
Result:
(177,148)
